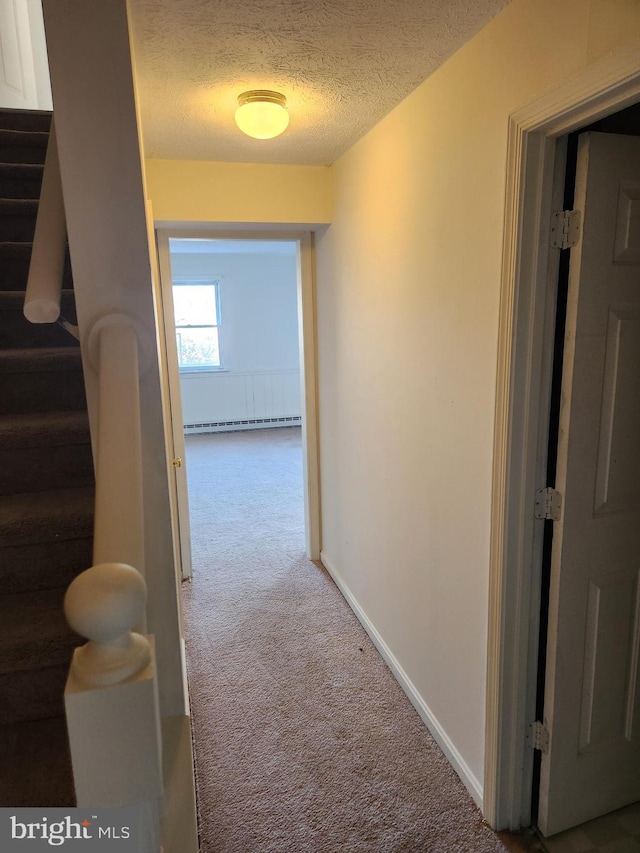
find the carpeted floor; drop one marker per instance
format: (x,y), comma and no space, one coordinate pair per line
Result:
(304,740)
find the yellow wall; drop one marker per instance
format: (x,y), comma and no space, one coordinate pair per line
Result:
(408,291)
(198,191)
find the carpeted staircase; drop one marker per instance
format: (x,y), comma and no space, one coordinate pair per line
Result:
(46,492)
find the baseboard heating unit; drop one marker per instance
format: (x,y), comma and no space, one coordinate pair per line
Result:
(250,423)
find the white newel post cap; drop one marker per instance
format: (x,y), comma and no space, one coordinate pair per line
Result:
(103,604)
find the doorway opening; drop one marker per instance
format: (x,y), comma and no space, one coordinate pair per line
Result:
(537,156)
(588,155)
(239,317)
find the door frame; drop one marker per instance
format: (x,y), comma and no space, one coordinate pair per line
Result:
(523,384)
(306,298)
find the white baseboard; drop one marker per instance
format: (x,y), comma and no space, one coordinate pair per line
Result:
(243,425)
(471,783)
(179,821)
(185,682)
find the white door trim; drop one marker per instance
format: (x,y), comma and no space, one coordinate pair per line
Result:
(308,349)
(527,304)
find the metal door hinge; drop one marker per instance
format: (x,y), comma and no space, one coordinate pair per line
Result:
(548,504)
(565,228)
(177,462)
(539,737)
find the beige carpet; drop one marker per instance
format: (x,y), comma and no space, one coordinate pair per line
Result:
(304,740)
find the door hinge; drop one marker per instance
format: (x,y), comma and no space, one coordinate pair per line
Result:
(539,737)
(565,228)
(548,504)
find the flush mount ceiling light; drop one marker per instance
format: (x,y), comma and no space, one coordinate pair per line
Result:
(262,114)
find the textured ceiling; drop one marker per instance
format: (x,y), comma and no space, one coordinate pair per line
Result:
(342,64)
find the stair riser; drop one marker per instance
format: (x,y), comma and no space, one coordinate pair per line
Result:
(14,270)
(17,332)
(22,154)
(50,391)
(44,639)
(32,695)
(20,186)
(40,654)
(44,468)
(18,227)
(29,120)
(44,565)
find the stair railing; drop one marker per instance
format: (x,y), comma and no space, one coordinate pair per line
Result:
(46,269)
(111,697)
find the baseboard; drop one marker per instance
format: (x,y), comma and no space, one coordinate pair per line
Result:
(236,426)
(471,783)
(185,679)
(179,821)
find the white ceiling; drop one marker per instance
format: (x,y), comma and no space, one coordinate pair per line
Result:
(342,65)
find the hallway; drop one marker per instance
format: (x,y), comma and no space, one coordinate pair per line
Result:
(304,740)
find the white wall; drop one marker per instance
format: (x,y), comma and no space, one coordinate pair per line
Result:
(408,280)
(259,339)
(197,191)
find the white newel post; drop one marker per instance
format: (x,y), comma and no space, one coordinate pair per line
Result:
(111,698)
(46,268)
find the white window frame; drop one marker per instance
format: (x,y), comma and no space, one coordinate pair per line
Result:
(216,281)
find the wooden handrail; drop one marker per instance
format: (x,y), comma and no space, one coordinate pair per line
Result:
(107,601)
(119,518)
(46,269)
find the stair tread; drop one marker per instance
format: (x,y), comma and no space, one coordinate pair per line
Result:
(18,248)
(21,168)
(19,119)
(40,359)
(29,517)
(35,429)
(18,206)
(35,633)
(15,248)
(36,138)
(43,565)
(13,300)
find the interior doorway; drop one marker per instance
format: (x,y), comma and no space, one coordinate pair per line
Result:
(590,619)
(221,386)
(535,175)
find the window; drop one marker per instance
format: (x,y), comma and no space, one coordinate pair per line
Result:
(197,313)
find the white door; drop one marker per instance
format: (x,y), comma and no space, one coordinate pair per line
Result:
(178,482)
(17,77)
(592,695)
(24,69)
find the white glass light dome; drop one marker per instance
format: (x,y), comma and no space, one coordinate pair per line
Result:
(262,114)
